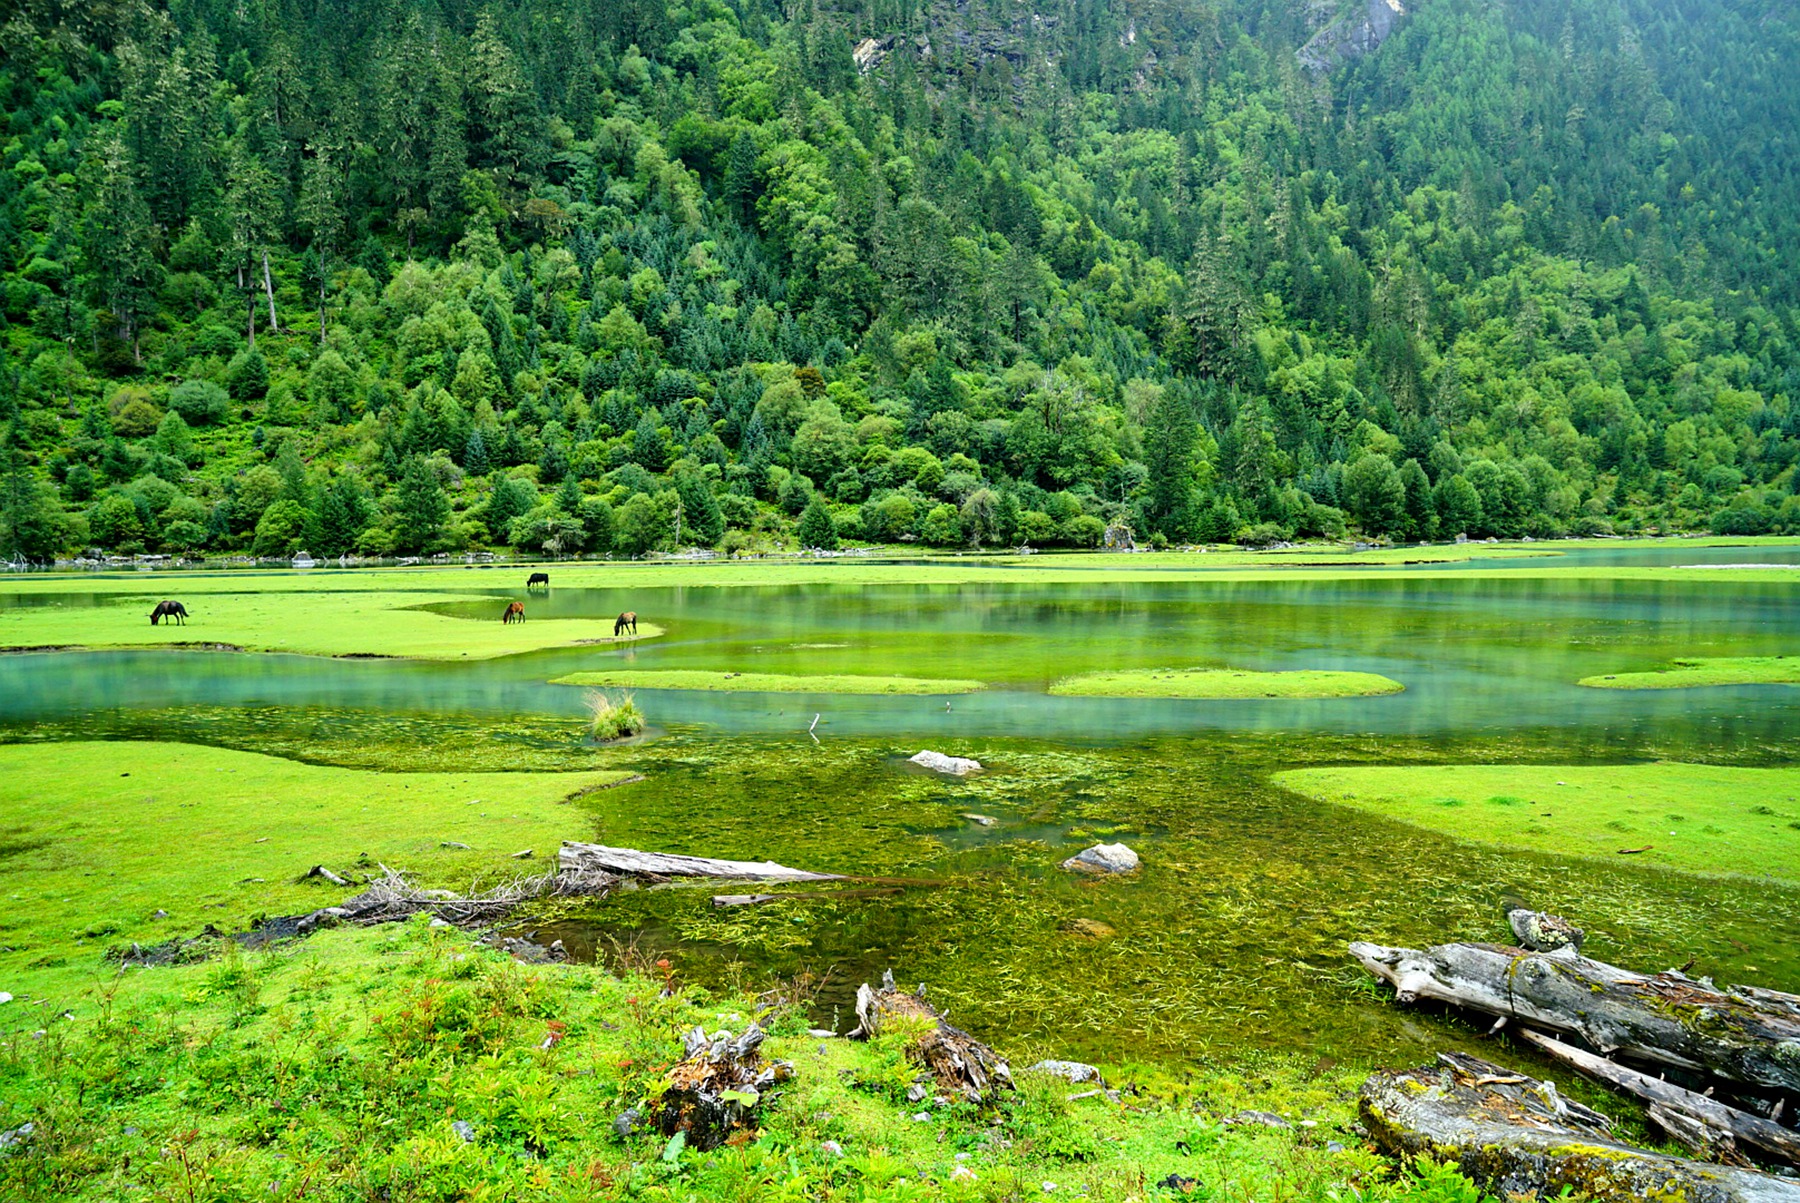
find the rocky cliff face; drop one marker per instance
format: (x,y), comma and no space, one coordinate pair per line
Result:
(1353,34)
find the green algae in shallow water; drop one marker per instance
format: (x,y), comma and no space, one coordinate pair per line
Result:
(1231,938)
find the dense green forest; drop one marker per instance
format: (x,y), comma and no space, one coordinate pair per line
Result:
(408,276)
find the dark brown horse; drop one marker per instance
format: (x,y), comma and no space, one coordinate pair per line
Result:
(174,611)
(627,622)
(514,612)
(538,578)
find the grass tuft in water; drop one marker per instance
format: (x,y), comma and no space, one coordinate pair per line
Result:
(614,717)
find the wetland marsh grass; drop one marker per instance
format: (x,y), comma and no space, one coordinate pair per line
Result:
(613,717)
(1699,671)
(1224,683)
(1692,818)
(742,682)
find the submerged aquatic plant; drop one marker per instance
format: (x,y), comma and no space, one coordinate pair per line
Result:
(614,717)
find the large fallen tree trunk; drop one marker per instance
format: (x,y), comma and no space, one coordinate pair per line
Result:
(1515,1136)
(1664,1018)
(958,1063)
(1700,1122)
(575,857)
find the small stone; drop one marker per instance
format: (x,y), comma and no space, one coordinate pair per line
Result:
(1075,1072)
(1262,1119)
(522,854)
(452,844)
(982,820)
(1049,1188)
(160,915)
(5,997)
(923,1117)
(628,1122)
(436,922)
(464,1129)
(1309,1123)
(15,1137)
(821,1033)
(1334,1146)
(831,1148)
(962,1157)
(1103,858)
(963,1173)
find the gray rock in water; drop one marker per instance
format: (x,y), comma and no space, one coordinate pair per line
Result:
(1543,932)
(464,1129)
(937,762)
(1103,858)
(628,1122)
(1072,1071)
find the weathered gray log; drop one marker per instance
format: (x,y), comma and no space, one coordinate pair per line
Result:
(1681,1112)
(957,1062)
(1666,1018)
(1515,1136)
(588,857)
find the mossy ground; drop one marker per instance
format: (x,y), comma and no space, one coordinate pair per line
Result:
(1224,683)
(736,682)
(95,838)
(336,1069)
(1710,670)
(1695,818)
(258,615)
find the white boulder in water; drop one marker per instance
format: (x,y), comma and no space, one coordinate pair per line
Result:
(939,763)
(1103,858)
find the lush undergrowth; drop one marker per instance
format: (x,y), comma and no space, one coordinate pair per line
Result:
(735,682)
(1692,817)
(1225,683)
(106,844)
(1710,670)
(407,1064)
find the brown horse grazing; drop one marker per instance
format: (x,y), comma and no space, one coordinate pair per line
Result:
(538,578)
(627,621)
(174,611)
(514,612)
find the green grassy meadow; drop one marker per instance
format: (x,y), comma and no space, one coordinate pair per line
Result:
(735,682)
(337,1068)
(1224,683)
(1693,818)
(95,838)
(257,617)
(1702,671)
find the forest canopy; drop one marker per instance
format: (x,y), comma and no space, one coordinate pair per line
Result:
(411,276)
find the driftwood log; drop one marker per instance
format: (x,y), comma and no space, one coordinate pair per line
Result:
(1702,1123)
(587,858)
(717,1087)
(1516,1136)
(1663,1018)
(958,1063)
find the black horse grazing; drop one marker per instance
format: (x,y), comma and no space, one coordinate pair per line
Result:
(538,578)
(174,611)
(514,612)
(627,622)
